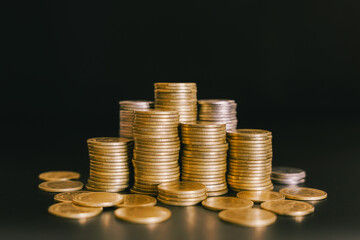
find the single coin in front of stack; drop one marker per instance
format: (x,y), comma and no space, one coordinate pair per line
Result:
(61,186)
(221,203)
(303,193)
(251,217)
(288,207)
(260,196)
(137,200)
(143,215)
(98,199)
(67,196)
(70,210)
(182,187)
(59,175)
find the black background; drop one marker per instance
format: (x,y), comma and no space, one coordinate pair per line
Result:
(292,66)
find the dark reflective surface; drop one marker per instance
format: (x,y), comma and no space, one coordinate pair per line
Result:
(327,148)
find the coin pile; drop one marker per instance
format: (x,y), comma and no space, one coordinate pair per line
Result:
(203,156)
(156,150)
(109,163)
(288,175)
(127,109)
(219,111)
(181,97)
(181,193)
(250,157)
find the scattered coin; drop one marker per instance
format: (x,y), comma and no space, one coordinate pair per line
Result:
(221,203)
(98,199)
(251,217)
(288,207)
(137,200)
(70,210)
(59,175)
(260,196)
(67,196)
(303,193)
(61,186)
(143,215)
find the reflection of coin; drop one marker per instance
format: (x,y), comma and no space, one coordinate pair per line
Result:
(144,215)
(252,217)
(303,193)
(260,196)
(61,186)
(221,203)
(59,175)
(69,210)
(288,207)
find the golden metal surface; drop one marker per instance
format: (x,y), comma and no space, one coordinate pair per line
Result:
(98,199)
(303,193)
(143,215)
(260,196)
(61,186)
(70,210)
(59,175)
(221,203)
(288,207)
(252,217)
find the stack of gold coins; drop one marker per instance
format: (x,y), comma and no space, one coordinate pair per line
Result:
(181,97)
(127,109)
(250,157)
(181,193)
(156,150)
(203,155)
(218,111)
(109,163)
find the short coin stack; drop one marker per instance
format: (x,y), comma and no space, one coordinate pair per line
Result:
(181,193)
(250,158)
(181,97)
(109,163)
(203,156)
(219,111)
(127,109)
(156,150)
(288,175)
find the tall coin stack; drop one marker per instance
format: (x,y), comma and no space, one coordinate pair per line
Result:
(109,163)
(156,150)
(218,111)
(181,97)
(250,158)
(127,109)
(203,156)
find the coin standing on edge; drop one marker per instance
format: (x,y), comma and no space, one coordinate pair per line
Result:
(61,186)
(70,210)
(59,175)
(303,193)
(288,207)
(221,203)
(260,196)
(251,217)
(143,215)
(98,199)
(137,200)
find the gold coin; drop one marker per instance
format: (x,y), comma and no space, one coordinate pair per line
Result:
(67,196)
(98,199)
(288,207)
(182,187)
(179,203)
(109,141)
(137,200)
(303,193)
(221,203)
(61,186)
(59,175)
(70,210)
(260,196)
(252,217)
(143,215)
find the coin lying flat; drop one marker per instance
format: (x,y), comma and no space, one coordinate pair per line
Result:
(221,203)
(303,193)
(137,200)
(260,196)
(67,196)
(61,186)
(251,217)
(288,207)
(98,199)
(182,187)
(70,210)
(143,215)
(59,175)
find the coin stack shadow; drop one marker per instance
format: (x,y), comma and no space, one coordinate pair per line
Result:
(203,156)
(218,111)
(156,150)
(250,158)
(181,97)
(126,113)
(109,164)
